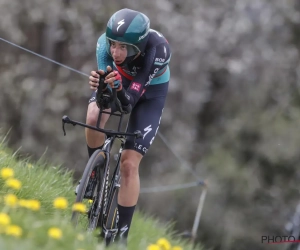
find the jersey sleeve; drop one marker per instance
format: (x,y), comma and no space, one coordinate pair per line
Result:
(155,62)
(103,58)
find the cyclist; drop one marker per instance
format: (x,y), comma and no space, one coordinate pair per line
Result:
(136,60)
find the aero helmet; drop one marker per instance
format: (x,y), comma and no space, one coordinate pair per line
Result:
(129,27)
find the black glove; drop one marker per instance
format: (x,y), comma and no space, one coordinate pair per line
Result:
(104,99)
(104,95)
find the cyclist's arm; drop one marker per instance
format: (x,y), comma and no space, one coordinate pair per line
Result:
(103,58)
(156,59)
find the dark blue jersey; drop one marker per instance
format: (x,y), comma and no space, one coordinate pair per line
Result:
(150,68)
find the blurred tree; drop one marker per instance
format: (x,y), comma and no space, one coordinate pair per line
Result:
(232,110)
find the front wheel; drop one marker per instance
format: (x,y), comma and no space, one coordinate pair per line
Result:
(93,176)
(111,217)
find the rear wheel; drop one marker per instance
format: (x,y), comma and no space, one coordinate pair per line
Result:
(93,176)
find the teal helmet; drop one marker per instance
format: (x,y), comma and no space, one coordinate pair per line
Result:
(129,27)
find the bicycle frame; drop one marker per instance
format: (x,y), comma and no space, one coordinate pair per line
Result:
(102,202)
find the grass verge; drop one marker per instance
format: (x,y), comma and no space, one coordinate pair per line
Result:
(30,221)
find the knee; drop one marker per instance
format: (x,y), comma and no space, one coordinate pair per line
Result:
(92,116)
(128,168)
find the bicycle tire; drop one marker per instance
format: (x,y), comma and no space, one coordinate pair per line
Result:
(96,161)
(112,209)
(111,214)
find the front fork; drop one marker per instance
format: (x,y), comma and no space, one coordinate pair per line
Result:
(110,234)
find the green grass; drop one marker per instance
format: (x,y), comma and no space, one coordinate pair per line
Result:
(44,183)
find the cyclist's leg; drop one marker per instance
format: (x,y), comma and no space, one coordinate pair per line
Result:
(94,139)
(145,117)
(129,189)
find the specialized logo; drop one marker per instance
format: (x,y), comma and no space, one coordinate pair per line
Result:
(136,86)
(151,76)
(147,130)
(107,141)
(106,189)
(123,230)
(120,24)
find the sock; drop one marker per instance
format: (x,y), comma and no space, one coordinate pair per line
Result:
(92,150)
(125,217)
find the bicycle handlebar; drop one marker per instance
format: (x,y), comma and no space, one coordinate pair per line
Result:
(65,119)
(105,101)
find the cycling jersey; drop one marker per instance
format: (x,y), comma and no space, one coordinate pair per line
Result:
(145,85)
(150,68)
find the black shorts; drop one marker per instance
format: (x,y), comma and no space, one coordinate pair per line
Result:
(145,116)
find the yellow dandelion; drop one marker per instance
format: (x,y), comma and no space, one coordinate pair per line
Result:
(6,173)
(11,200)
(164,244)
(177,248)
(34,205)
(153,247)
(60,203)
(13,183)
(55,233)
(80,237)
(4,219)
(23,203)
(79,207)
(14,230)
(90,201)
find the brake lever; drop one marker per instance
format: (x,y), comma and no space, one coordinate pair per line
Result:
(63,127)
(66,119)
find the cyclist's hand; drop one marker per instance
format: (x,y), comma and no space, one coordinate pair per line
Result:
(94,77)
(94,80)
(114,79)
